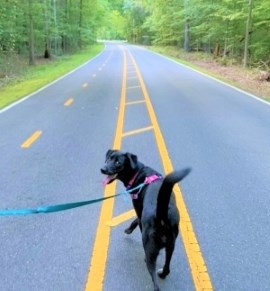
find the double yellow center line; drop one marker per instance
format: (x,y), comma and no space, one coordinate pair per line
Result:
(198,267)
(197,264)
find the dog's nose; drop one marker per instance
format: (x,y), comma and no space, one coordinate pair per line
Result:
(103,171)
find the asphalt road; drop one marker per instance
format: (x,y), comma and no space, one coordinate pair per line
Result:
(221,132)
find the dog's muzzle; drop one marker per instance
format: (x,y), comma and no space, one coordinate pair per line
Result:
(110,177)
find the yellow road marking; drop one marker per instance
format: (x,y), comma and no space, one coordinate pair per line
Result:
(198,267)
(135,102)
(121,218)
(199,271)
(68,102)
(85,85)
(101,245)
(136,131)
(27,143)
(133,87)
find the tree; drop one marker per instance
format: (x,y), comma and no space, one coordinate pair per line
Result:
(248,25)
(221,28)
(31,33)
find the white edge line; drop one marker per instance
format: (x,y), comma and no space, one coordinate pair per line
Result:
(50,84)
(213,78)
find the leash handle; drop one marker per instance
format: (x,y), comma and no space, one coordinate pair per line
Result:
(60,207)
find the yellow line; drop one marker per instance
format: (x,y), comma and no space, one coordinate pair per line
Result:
(101,245)
(68,102)
(31,139)
(133,87)
(136,131)
(135,102)
(121,218)
(198,267)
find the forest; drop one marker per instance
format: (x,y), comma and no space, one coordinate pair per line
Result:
(238,29)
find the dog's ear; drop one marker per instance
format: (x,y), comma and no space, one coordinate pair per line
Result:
(108,154)
(133,160)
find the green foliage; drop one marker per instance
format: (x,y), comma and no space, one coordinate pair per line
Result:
(60,26)
(218,27)
(113,21)
(36,77)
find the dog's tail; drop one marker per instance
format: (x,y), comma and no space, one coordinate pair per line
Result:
(165,191)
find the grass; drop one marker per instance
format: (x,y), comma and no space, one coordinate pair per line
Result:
(187,58)
(38,76)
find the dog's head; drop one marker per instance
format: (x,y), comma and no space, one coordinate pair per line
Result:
(119,165)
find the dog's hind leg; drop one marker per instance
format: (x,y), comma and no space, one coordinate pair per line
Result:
(162,273)
(151,266)
(132,226)
(151,253)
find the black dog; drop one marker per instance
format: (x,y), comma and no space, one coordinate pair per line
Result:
(154,205)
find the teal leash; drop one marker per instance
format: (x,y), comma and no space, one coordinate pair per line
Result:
(61,207)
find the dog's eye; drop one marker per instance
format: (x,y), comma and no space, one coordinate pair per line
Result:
(117,163)
(109,159)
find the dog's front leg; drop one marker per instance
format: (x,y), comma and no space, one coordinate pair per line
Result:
(133,225)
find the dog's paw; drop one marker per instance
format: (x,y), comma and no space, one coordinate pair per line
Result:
(128,230)
(163,273)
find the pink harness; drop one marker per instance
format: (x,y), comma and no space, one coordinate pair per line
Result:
(148,180)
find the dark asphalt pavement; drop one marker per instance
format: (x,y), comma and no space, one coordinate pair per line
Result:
(222,133)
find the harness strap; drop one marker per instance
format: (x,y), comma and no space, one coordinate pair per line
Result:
(152,178)
(130,183)
(148,180)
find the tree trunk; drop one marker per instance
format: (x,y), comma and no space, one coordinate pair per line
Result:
(56,28)
(80,24)
(217,50)
(47,54)
(248,24)
(186,40)
(64,36)
(186,32)
(31,34)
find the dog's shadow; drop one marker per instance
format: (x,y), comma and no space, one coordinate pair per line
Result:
(133,241)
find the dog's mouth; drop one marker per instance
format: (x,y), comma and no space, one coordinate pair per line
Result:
(109,179)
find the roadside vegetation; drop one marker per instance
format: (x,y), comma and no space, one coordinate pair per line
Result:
(251,79)
(38,39)
(42,40)
(43,73)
